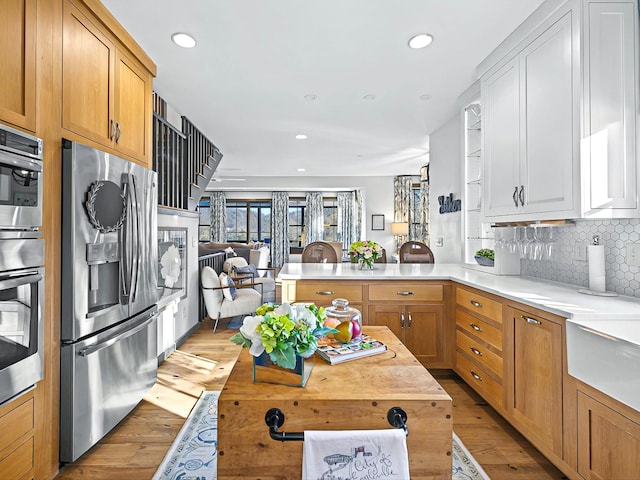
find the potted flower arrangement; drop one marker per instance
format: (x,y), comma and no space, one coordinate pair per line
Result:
(365,252)
(283,335)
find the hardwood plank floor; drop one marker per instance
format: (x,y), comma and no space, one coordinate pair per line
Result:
(135,448)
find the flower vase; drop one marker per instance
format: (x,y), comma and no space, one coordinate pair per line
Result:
(264,370)
(365,265)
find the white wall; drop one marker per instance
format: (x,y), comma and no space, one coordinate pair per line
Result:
(445,177)
(378,193)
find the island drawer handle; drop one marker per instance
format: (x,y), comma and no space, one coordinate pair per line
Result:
(476,351)
(405,293)
(327,292)
(476,304)
(401,319)
(530,320)
(476,376)
(475,327)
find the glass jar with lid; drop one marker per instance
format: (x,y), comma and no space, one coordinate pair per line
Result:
(342,312)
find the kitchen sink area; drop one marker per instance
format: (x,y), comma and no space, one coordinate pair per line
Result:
(605,354)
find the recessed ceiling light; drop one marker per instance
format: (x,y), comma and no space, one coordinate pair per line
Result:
(310,97)
(301,136)
(183,40)
(369,97)
(302,169)
(420,41)
(425,96)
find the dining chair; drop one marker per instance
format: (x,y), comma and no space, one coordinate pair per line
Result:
(319,252)
(416,252)
(382,258)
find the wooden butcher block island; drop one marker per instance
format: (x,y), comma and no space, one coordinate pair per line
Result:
(354,395)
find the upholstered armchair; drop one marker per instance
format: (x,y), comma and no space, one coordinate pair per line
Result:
(246,301)
(264,283)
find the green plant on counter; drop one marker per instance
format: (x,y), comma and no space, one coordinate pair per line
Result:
(486,253)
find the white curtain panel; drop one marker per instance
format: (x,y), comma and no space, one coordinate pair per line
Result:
(279,229)
(218,217)
(347,218)
(359,216)
(402,201)
(423,232)
(314,218)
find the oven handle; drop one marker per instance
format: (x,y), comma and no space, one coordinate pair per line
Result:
(19,281)
(85,352)
(19,162)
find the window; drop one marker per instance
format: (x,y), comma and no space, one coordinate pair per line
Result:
(248,220)
(204,224)
(330,207)
(296,222)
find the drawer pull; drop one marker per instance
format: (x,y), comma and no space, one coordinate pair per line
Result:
(476,304)
(401,319)
(530,320)
(475,327)
(476,351)
(410,320)
(327,292)
(405,293)
(475,375)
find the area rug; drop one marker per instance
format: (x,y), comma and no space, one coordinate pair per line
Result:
(194,452)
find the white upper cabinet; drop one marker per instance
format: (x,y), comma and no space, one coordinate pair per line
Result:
(560,129)
(609,146)
(531,127)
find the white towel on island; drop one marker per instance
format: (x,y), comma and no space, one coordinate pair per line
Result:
(355,455)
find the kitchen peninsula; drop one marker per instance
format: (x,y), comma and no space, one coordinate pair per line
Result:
(513,340)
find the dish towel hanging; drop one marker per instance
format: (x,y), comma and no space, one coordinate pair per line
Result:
(355,454)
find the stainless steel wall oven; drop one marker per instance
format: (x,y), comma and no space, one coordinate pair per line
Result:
(20,180)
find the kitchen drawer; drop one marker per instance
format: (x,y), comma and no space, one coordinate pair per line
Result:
(472,300)
(324,293)
(480,353)
(479,328)
(413,292)
(18,462)
(17,421)
(479,380)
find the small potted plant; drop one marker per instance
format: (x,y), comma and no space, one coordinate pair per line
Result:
(485,257)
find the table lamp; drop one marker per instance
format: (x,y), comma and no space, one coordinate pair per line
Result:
(399,230)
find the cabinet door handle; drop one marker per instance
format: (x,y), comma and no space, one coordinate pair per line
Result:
(405,293)
(476,351)
(410,320)
(530,320)
(515,196)
(475,375)
(521,195)
(327,292)
(475,327)
(401,319)
(475,304)
(113,130)
(119,132)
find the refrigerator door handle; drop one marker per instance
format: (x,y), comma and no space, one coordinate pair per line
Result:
(85,352)
(124,270)
(135,272)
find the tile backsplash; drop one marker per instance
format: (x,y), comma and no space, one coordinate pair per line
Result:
(567,267)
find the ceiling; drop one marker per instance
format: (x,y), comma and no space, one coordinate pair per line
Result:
(245,82)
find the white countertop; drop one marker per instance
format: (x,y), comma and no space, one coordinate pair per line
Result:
(558,298)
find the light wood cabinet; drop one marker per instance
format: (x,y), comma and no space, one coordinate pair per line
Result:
(523,140)
(17,447)
(479,358)
(106,92)
(18,60)
(608,442)
(534,345)
(419,327)
(611,91)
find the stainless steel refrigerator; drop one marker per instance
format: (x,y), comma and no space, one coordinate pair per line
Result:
(109,293)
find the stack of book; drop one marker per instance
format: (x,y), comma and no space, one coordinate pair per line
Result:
(334,351)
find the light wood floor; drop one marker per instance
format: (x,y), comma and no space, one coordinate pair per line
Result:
(135,448)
